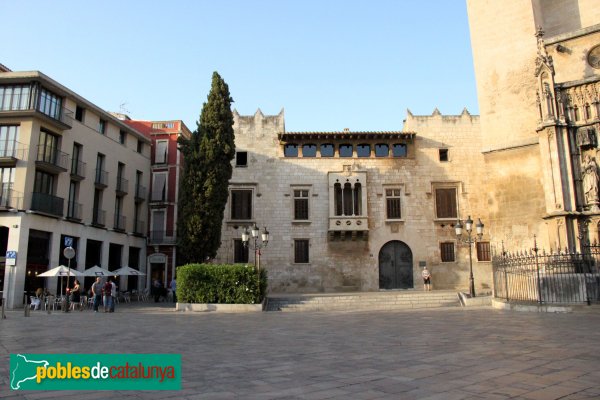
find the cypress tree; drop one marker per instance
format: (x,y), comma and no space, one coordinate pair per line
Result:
(203,187)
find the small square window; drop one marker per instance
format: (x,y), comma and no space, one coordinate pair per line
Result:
(443,155)
(346,150)
(393,204)
(290,150)
(399,150)
(301,255)
(447,252)
(241,159)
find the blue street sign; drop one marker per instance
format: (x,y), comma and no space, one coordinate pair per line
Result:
(68,241)
(11,257)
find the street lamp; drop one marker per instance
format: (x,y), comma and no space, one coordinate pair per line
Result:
(69,253)
(254,232)
(470,240)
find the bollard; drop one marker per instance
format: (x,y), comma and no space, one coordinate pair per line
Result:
(27,310)
(3,313)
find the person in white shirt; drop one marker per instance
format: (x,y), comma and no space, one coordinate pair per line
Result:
(426,279)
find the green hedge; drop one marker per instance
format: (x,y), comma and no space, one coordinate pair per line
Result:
(220,283)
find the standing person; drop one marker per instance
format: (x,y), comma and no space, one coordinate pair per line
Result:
(97,293)
(157,286)
(426,279)
(174,289)
(106,291)
(113,295)
(75,294)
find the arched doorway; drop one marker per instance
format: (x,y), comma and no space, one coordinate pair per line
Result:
(395,266)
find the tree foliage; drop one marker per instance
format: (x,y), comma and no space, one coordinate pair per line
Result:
(203,187)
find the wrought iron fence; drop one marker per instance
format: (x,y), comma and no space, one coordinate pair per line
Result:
(562,277)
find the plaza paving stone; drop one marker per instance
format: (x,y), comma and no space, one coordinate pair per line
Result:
(419,354)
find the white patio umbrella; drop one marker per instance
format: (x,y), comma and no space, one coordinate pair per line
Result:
(128,271)
(61,270)
(98,271)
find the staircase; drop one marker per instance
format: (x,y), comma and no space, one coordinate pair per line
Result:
(362,301)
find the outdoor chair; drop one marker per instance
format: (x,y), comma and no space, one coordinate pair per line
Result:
(35,303)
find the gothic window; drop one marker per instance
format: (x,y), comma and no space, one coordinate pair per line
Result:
(337,198)
(345,150)
(382,150)
(363,150)
(576,115)
(290,150)
(399,150)
(587,112)
(347,198)
(309,150)
(357,199)
(327,150)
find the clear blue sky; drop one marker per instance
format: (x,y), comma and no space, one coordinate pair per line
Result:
(332,64)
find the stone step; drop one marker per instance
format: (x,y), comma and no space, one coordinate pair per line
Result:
(362,301)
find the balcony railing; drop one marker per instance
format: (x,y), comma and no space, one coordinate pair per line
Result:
(78,168)
(99,217)
(162,237)
(47,203)
(122,186)
(19,99)
(139,228)
(120,222)
(140,193)
(11,151)
(74,210)
(52,158)
(10,198)
(101,177)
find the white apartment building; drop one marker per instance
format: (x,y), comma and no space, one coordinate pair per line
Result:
(72,174)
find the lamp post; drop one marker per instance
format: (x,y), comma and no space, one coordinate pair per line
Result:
(469,240)
(254,232)
(69,253)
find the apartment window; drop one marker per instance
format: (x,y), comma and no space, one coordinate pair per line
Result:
(7,178)
(399,150)
(72,206)
(327,150)
(48,147)
(301,204)
(122,137)
(382,150)
(119,223)
(363,150)
(97,212)
(290,150)
(309,150)
(14,98)
(241,204)
(101,174)
(443,154)
(50,104)
(8,140)
(158,225)
(44,183)
(121,182)
(240,252)
(483,251)
(102,126)
(447,251)
(79,113)
(445,203)
(160,154)
(301,254)
(138,184)
(140,146)
(241,158)
(346,150)
(159,186)
(76,164)
(393,205)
